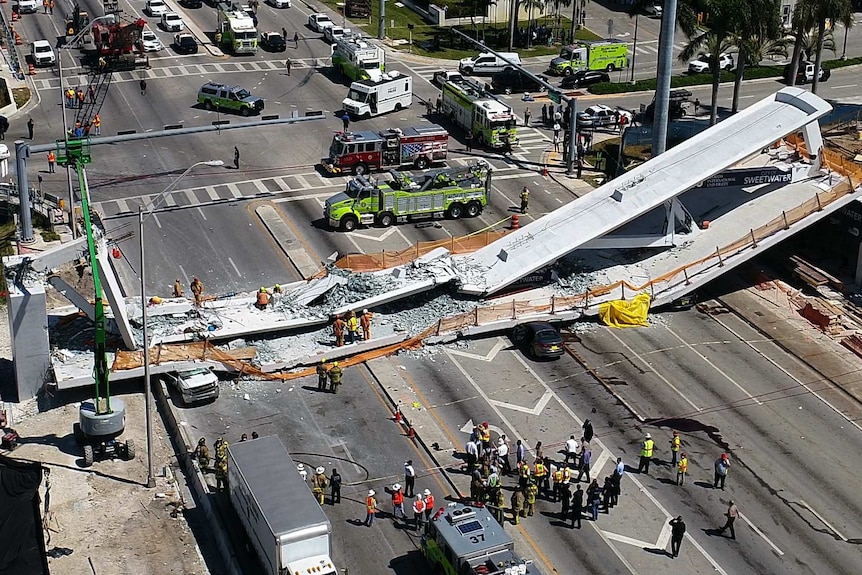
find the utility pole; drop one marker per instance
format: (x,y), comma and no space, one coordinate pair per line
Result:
(662,91)
(513,21)
(634,48)
(573,136)
(381,25)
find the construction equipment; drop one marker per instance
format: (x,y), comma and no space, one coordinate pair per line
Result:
(448,192)
(360,152)
(77,22)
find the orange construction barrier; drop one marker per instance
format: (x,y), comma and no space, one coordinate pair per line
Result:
(545,171)
(31,69)
(14,16)
(17,39)
(516,221)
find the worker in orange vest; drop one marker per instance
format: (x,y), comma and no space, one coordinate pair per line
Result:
(178,288)
(338,330)
(429,504)
(262,299)
(418,512)
(365,322)
(370,508)
(52,160)
(397,502)
(97,125)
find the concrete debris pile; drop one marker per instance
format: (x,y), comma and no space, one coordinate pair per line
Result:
(469,272)
(416,313)
(355,287)
(575,276)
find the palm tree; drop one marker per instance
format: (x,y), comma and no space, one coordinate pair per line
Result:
(808,45)
(834,11)
(532,5)
(758,26)
(803,20)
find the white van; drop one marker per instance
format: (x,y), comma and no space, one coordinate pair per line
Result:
(366,98)
(487,63)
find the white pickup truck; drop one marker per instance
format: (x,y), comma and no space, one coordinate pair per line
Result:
(194,385)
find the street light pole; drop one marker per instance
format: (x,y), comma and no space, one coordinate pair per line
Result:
(148,398)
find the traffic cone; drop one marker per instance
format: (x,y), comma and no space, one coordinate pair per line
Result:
(14,16)
(17,39)
(410,433)
(398,418)
(545,171)
(31,69)
(516,221)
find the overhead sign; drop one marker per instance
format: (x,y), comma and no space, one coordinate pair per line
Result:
(748,177)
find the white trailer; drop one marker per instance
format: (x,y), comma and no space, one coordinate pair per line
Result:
(367,98)
(281,516)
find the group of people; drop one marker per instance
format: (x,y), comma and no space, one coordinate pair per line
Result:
(332,374)
(268,296)
(202,456)
(422,503)
(350,326)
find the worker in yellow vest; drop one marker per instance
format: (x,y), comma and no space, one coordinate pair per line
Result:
(540,472)
(523,474)
(681,469)
(558,483)
(647,448)
(675,444)
(352,327)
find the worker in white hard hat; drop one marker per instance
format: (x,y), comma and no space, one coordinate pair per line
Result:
(429,504)
(302,472)
(370,508)
(647,448)
(365,322)
(334,377)
(398,502)
(319,483)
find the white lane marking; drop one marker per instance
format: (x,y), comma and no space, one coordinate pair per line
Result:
(190,194)
(823,521)
(787,373)
(123,206)
(629,540)
(664,536)
(234,190)
(211,193)
(762,536)
(713,366)
(184,274)
(236,269)
(303,182)
(343,446)
(660,376)
(487,357)
(261,187)
(845,86)
(536,410)
(319,196)
(201,212)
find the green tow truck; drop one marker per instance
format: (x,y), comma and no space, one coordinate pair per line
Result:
(448,192)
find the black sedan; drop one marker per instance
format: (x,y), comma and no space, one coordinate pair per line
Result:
(273,42)
(538,339)
(584,78)
(185,44)
(512,80)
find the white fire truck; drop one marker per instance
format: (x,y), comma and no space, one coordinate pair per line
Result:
(360,152)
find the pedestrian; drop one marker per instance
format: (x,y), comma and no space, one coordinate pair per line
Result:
(370,508)
(45,6)
(525,200)
(254,435)
(296,39)
(202,454)
(243,437)
(584,464)
(577,506)
(520,453)
(507,143)
(322,375)
(429,107)
(732,513)
(681,469)
(722,466)
(594,494)
(557,128)
(624,119)
(527,117)
(615,489)
(677,532)
(51,7)
(418,512)
(52,161)
(469,139)
(91,93)
(607,493)
(338,330)
(580,167)
(557,474)
(472,452)
(439,103)
(236,157)
(544,114)
(143,84)
(518,499)
(398,502)
(335,487)
(70,100)
(319,483)
(696,106)
(556,141)
(675,443)
(80,95)
(646,454)
(97,125)
(540,473)
(352,327)
(284,33)
(566,499)
(581,151)
(503,455)
(287,64)
(345,121)
(530,498)
(429,504)
(197,288)
(571,449)
(409,478)
(558,117)
(30,126)
(365,323)
(300,468)
(334,377)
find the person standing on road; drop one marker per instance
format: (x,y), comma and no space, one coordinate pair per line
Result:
(527,117)
(30,126)
(439,103)
(530,496)
(335,487)
(681,469)
(321,375)
(525,200)
(677,532)
(334,377)
(295,39)
(544,115)
(4,127)
(52,161)
(469,140)
(732,513)
(429,504)
(418,512)
(472,453)
(503,456)
(517,502)
(722,466)
(319,482)
(370,508)
(577,506)
(674,447)
(584,465)
(287,64)
(409,478)
(202,454)
(646,454)
(398,502)
(588,430)
(594,495)
(236,157)
(284,33)
(566,498)
(571,450)
(520,453)
(143,84)
(345,121)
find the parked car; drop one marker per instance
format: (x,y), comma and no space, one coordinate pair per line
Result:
(173,22)
(42,53)
(512,80)
(192,3)
(443,76)
(185,44)
(280,3)
(584,78)
(333,33)
(701,65)
(156,7)
(805,73)
(27,6)
(599,115)
(318,22)
(273,41)
(150,41)
(538,339)
(653,10)
(195,385)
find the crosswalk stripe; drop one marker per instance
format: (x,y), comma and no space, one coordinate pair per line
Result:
(303,183)
(260,186)
(234,190)
(190,194)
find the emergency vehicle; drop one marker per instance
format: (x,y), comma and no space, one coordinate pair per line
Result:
(607,55)
(467,540)
(366,98)
(237,29)
(468,105)
(357,59)
(448,192)
(360,152)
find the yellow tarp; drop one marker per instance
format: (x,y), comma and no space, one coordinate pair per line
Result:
(626,313)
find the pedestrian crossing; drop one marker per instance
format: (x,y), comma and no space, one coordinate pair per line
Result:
(651,48)
(78,76)
(310,185)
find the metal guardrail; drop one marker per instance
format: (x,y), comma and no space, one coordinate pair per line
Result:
(43,203)
(8,37)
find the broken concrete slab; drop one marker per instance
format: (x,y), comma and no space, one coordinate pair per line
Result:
(315,288)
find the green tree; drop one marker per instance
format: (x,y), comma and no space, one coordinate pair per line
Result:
(835,11)
(758,29)
(802,21)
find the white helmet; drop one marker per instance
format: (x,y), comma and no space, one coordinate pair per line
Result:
(427,492)
(319,470)
(648,436)
(300,466)
(396,487)
(370,493)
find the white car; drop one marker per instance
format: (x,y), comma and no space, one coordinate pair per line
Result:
(318,22)
(195,385)
(280,3)
(173,22)
(156,7)
(27,6)
(42,53)
(701,65)
(150,41)
(653,10)
(333,33)
(599,115)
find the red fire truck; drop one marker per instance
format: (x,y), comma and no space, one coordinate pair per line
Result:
(360,152)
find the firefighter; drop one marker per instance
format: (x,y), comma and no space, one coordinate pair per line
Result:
(262,299)
(178,288)
(352,327)
(334,377)
(532,493)
(319,484)
(500,506)
(517,506)
(418,512)
(540,472)
(321,375)
(338,330)
(197,289)
(365,322)
(202,454)
(221,463)
(523,474)
(558,483)
(525,199)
